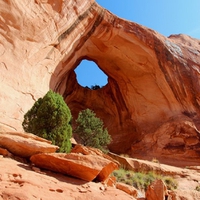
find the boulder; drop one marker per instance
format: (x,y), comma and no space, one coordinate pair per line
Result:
(4,152)
(25,144)
(85,167)
(127,188)
(157,191)
(111,181)
(92,151)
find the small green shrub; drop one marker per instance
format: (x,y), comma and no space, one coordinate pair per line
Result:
(91,131)
(197,188)
(142,180)
(95,87)
(50,118)
(155,160)
(170,183)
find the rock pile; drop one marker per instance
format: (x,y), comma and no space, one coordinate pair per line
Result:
(36,170)
(84,163)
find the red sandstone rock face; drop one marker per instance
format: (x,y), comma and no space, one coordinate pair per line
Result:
(85,167)
(80,149)
(157,191)
(19,181)
(152,80)
(22,180)
(128,189)
(25,144)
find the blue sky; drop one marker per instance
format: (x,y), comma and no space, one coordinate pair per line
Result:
(166,17)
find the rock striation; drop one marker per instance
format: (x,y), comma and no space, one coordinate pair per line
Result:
(20,181)
(84,163)
(85,167)
(25,144)
(28,154)
(157,191)
(153,81)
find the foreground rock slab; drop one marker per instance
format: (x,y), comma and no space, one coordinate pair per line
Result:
(19,181)
(85,167)
(25,144)
(85,150)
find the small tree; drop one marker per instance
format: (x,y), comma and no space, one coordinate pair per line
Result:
(90,130)
(95,87)
(50,118)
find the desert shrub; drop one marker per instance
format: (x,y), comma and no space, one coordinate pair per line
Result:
(91,131)
(95,87)
(197,188)
(170,182)
(50,118)
(124,155)
(155,160)
(142,180)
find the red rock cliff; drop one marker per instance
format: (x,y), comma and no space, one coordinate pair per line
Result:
(151,102)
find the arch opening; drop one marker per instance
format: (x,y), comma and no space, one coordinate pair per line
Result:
(89,75)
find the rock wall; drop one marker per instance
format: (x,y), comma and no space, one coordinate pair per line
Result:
(152,80)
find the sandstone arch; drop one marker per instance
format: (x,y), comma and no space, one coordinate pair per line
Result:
(153,81)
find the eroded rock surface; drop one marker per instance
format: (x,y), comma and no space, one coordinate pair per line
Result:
(153,81)
(22,180)
(85,167)
(25,144)
(19,181)
(80,149)
(157,191)
(128,189)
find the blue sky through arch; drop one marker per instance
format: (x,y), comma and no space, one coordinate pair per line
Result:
(89,74)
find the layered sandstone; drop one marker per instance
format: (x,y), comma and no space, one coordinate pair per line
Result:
(25,144)
(153,81)
(20,181)
(85,167)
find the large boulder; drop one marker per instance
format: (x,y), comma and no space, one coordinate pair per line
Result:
(157,191)
(92,151)
(85,167)
(152,80)
(25,144)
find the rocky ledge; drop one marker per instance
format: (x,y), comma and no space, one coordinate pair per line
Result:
(84,173)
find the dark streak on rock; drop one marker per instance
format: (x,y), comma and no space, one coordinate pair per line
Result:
(83,39)
(176,71)
(78,21)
